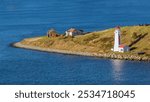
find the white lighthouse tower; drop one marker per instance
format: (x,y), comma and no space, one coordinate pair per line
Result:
(118,47)
(117,38)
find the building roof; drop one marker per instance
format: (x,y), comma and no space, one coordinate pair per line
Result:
(122,46)
(117,28)
(72,30)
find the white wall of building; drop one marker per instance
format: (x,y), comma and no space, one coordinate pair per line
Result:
(117,39)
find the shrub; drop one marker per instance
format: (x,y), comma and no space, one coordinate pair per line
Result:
(134,36)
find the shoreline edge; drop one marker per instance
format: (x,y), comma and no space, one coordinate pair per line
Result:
(104,55)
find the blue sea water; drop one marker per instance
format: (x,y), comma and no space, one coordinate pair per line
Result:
(21,19)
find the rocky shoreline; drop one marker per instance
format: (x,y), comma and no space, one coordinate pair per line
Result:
(104,55)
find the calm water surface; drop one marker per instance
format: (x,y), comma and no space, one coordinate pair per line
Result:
(28,18)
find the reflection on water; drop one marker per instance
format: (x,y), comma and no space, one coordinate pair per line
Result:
(117,66)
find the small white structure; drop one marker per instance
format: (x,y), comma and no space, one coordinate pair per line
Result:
(123,48)
(73,32)
(118,47)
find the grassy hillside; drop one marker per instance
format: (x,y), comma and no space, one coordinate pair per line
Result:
(100,42)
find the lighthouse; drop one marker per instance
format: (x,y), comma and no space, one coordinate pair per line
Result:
(117,39)
(118,47)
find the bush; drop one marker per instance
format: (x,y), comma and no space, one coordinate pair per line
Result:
(134,36)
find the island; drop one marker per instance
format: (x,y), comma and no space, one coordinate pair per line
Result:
(97,43)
